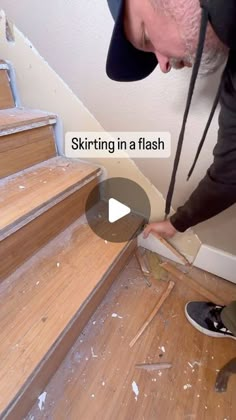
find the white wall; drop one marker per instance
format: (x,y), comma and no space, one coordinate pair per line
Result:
(73,36)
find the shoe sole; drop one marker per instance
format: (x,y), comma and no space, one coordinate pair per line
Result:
(204,330)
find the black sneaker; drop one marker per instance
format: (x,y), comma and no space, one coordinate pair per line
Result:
(205,317)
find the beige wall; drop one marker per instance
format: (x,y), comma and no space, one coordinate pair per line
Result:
(73,36)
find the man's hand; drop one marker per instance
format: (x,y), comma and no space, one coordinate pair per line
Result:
(164,229)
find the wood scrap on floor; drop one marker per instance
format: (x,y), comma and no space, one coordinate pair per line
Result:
(171,248)
(154,366)
(141,257)
(165,295)
(189,282)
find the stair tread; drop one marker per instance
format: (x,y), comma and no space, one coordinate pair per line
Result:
(43,296)
(16,117)
(26,192)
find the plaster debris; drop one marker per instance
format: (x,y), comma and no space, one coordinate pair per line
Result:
(187,386)
(58,264)
(93,396)
(42,399)
(116,316)
(21,187)
(106,242)
(190,365)
(162,348)
(154,380)
(37,283)
(92,352)
(160,373)
(135,390)
(86,358)
(198,396)
(103,383)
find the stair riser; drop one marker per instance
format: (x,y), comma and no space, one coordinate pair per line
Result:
(21,245)
(38,381)
(6,97)
(22,150)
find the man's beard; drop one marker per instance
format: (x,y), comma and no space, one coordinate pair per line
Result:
(211,61)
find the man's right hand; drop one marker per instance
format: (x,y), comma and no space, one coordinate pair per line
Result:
(164,229)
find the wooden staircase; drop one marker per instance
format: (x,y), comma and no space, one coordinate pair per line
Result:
(54,271)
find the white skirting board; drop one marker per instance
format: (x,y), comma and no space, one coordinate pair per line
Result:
(217,262)
(154,245)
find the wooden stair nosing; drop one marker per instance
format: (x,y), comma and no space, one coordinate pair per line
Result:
(22,221)
(30,126)
(45,370)
(18,119)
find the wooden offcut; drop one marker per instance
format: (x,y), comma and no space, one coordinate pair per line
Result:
(171,248)
(193,284)
(142,262)
(165,295)
(151,367)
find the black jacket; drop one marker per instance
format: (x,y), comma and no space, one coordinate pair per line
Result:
(217,190)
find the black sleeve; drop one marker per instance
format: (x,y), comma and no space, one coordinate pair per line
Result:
(217,191)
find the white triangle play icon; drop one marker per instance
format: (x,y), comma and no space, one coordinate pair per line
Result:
(117,210)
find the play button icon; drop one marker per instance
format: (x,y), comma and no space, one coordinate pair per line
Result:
(117,209)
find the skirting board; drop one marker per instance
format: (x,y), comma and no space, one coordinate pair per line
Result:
(152,244)
(216,262)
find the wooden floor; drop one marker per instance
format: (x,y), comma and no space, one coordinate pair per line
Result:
(98,379)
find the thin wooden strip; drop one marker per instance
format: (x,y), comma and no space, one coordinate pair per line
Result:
(189,282)
(16,117)
(142,262)
(165,295)
(154,366)
(143,265)
(171,248)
